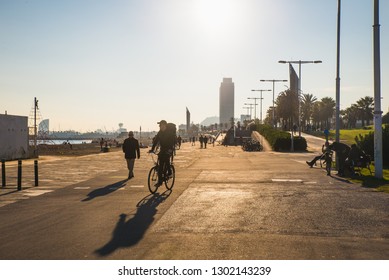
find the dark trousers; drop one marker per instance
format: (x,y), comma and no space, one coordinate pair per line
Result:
(164,160)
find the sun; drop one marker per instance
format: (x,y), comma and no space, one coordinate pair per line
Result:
(215,15)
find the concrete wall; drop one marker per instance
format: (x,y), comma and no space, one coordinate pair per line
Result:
(13,137)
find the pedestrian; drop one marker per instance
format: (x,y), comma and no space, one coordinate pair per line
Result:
(326,133)
(294,129)
(201,139)
(205,140)
(131,151)
(101,144)
(342,152)
(179,141)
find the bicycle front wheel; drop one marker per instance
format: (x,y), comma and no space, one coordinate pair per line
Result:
(153,179)
(169,181)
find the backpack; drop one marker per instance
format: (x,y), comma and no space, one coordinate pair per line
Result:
(172,131)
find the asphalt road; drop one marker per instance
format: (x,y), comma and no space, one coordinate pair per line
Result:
(226,204)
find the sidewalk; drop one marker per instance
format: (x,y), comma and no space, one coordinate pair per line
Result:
(314,143)
(55,172)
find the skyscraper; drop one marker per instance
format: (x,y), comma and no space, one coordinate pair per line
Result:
(226,102)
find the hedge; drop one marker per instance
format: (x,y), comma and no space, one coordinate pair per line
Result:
(280,140)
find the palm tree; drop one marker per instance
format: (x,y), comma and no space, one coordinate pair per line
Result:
(327,108)
(365,106)
(350,116)
(287,107)
(307,103)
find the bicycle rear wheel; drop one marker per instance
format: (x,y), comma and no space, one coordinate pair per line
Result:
(169,180)
(153,179)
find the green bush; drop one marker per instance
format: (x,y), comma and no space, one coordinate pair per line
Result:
(366,143)
(280,140)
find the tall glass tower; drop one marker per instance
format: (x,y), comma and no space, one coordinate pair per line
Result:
(226,102)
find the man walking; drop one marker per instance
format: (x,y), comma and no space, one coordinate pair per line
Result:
(131,151)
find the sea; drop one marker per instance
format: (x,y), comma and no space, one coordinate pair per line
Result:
(60,142)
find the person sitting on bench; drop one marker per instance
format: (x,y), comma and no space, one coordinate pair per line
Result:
(324,148)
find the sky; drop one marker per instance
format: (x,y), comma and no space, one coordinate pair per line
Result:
(95,64)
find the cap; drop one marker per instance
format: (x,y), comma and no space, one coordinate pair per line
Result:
(162,122)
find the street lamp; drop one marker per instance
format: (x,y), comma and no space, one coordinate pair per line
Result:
(251,107)
(299,62)
(261,98)
(255,106)
(248,108)
(274,81)
(378,158)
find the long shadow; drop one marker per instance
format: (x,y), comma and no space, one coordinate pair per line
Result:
(344,180)
(128,233)
(105,190)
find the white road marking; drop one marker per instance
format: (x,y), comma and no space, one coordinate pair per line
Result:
(287,180)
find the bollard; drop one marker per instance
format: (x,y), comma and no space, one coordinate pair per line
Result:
(3,183)
(36,172)
(19,175)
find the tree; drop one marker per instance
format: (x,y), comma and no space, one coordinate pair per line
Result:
(385,118)
(365,107)
(350,116)
(287,107)
(307,104)
(327,108)
(323,111)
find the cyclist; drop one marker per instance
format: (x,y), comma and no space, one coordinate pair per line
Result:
(166,141)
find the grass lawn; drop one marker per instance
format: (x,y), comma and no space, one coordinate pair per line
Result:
(348,135)
(369,181)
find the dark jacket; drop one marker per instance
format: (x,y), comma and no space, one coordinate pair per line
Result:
(165,140)
(340,148)
(131,148)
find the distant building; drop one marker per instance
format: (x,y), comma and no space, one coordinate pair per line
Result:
(44,126)
(226,102)
(187,120)
(244,118)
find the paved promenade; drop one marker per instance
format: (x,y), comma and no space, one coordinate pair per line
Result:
(226,204)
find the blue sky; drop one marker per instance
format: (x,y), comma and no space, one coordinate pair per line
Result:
(95,64)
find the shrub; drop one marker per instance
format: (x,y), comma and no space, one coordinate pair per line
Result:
(366,143)
(281,140)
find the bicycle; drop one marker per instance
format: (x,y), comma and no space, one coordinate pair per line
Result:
(167,179)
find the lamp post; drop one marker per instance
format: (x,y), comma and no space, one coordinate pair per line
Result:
(255,106)
(274,81)
(299,62)
(261,98)
(251,107)
(248,108)
(378,159)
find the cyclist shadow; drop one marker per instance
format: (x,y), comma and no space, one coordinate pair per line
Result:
(129,233)
(105,190)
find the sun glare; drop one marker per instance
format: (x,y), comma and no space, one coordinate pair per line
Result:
(215,15)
